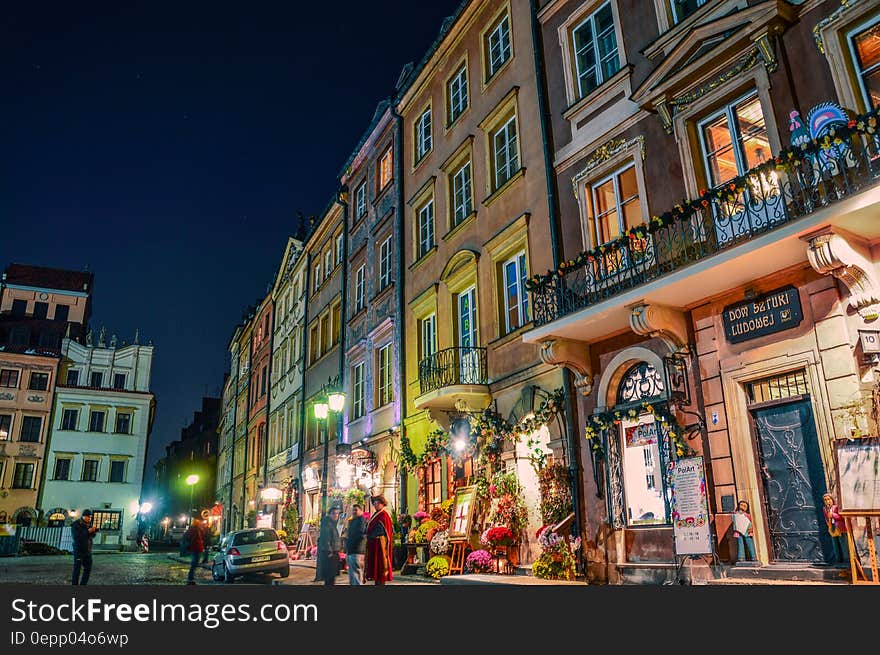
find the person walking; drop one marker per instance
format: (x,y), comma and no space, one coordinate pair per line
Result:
(195,544)
(379,543)
(356,546)
(83,534)
(207,538)
(329,545)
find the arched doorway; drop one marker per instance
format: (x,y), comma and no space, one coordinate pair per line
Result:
(24,517)
(56,517)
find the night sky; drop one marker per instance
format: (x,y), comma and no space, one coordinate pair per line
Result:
(169,147)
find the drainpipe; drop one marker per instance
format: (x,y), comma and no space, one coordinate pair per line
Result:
(571,431)
(305,349)
(268,400)
(340,199)
(232,456)
(401,328)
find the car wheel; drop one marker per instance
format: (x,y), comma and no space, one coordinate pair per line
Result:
(227,576)
(284,572)
(216,576)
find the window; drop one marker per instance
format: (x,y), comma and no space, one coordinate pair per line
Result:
(385,263)
(62,469)
(357,390)
(339,248)
(360,201)
(734,139)
(9,378)
(123,423)
(97,379)
(325,333)
(19,307)
(497,45)
(423,135)
(359,288)
(117,471)
(462,193)
(107,521)
(615,205)
(90,470)
(426,228)
(314,344)
(457,94)
(119,381)
(23,476)
(41,309)
(864,44)
(428,340)
(516,301)
(72,377)
(263,380)
(62,313)
(31,426)
(433,485)
(386,165)
(595,49)
(69,419)
(38,381)
(96,421)
(467,318)
(385,391)
(336,327)
(505,152)
(681,9)
(328,262)
(5,429)
(317,275)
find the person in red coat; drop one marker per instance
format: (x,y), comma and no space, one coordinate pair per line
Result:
(380,534)
(195,544)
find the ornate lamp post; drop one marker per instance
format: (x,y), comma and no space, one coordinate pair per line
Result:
(331,400)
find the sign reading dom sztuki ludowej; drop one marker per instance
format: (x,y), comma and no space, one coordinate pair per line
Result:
(773,312)
(690,507)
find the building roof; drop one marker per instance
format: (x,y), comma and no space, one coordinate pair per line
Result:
(48,278)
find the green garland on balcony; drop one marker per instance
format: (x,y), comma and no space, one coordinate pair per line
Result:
(602,421)
(788,158)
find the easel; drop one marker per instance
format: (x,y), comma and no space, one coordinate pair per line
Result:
(456,565)
(304,544)
(855,565)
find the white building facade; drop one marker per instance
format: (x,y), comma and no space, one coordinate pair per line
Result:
(101,422)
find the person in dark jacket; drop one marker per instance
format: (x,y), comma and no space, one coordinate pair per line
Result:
(207,537)
(83,534)
(329,545)
(194,538)
(356,546)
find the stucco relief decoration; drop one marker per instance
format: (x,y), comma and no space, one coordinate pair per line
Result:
(36,399)
(27,450)
(845,5)
(605,152)
(743,63)
(831,254)
(573,355)
(654,320)
(7,396)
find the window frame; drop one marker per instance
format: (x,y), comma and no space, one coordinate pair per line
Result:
(42,376)
(92,414)
(520,261)
(674,15)
(728,110)
(590,17)
(426,238)
(384,376)
(490,71)
(385,263)
(851,33)
(5,374)
(15,476)
(360,201)
(457,90)
(428,336)
(92,376)
(129,416)
(116,385)
(75,372)
(338,247)
(468,206)
(69,462)
(423,135)
(387,156)
(85,468)
(68,411)
(358,395)
(27,423)
(9,425)
(507,119)
(114,462)
(360,288)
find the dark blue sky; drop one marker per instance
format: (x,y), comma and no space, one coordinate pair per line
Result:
(168,147)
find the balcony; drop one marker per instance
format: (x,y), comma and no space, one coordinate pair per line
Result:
(452,377)
(757,224)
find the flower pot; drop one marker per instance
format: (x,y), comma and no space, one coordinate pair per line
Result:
(513,555)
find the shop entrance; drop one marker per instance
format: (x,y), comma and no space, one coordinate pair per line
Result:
(791,468)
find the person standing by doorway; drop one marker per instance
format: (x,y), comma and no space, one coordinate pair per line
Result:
(195,544)
(356,545)
(83,534)
(329,545)
(379,542)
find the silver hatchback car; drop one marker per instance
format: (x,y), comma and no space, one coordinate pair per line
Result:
(256,550)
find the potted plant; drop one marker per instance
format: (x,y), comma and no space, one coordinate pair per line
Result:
(497,539)
(479,561)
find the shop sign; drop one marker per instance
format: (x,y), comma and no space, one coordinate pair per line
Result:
(773,312)
(690,507)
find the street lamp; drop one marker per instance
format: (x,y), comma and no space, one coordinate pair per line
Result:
(331,400)
(191,480)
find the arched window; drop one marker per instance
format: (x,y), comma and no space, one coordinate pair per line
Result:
(640,383)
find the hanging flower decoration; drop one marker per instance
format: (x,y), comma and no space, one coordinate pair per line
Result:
(600,422)
(788,159)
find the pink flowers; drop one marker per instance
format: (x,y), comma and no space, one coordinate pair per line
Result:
(420,515)
(478,561)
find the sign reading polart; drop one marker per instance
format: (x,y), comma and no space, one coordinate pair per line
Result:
(773,312)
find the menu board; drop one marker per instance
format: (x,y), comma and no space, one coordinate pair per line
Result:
(858,474)
(690,507)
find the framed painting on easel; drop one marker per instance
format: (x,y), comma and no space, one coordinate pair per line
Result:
(858,474)
(462,513)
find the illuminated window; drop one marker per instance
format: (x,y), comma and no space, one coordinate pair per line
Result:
(433,485)
(734,140)
(386,166)
(615,205)
(864,43)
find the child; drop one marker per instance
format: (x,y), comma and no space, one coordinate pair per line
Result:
(836,528)
(743,532)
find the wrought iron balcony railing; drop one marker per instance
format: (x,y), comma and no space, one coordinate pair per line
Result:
(793,185)
(452,366)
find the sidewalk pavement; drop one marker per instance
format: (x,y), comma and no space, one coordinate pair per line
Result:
(302,572)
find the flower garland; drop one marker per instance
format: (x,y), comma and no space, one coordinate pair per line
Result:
(602,421)
(787,159)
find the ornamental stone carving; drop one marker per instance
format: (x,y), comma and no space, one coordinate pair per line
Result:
(662,321)
(573,355)
(830,253)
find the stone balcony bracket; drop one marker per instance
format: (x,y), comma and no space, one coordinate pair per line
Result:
(661,321)
(830,253)
(573,355)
